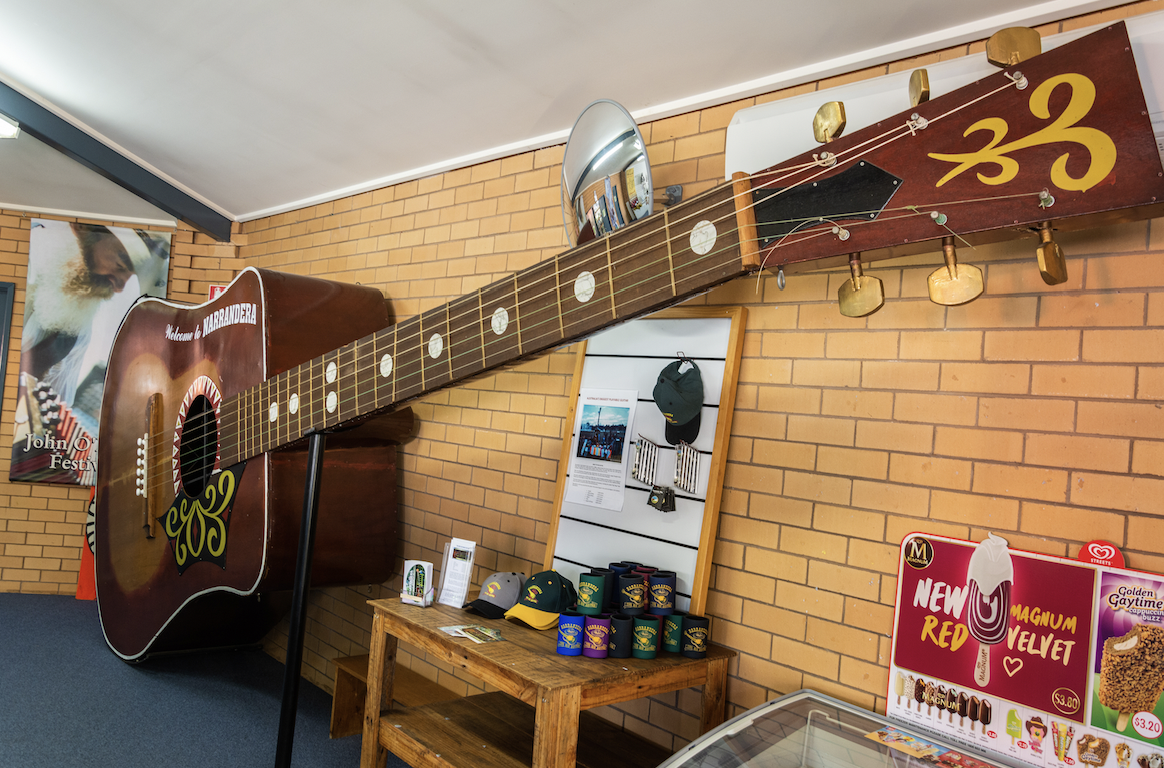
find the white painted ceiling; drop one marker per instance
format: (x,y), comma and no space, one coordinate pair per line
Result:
(261,106)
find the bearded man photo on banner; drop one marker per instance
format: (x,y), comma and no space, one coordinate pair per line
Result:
(82,278)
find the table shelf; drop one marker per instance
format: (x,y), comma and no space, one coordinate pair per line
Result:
(494,730)
(540,699)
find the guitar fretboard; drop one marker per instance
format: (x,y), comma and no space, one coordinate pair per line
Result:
(653,264)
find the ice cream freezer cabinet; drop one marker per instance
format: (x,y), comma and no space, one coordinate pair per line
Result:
(807,729)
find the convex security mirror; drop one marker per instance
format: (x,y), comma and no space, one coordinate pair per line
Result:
(606,179)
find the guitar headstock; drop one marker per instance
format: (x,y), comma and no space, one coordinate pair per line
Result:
(1065,143)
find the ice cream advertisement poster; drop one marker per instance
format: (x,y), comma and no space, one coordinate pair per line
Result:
(1002,628)
(1045,660)
(1128,662)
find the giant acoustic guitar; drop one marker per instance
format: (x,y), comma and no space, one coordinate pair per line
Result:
(200,470)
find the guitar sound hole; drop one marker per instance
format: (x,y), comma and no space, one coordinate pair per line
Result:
(198,446)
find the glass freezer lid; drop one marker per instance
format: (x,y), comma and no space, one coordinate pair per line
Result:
(807,729)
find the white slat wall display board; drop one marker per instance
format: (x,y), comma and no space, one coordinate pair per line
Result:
(630,357)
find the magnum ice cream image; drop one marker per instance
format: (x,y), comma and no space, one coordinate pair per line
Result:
(988,577)
(1131,672)
(899,686)
(951,702)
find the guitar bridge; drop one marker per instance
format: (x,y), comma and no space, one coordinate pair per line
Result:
(147,465)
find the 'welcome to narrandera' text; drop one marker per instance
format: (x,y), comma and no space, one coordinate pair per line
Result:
(235,314)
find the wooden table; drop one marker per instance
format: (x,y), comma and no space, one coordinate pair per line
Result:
(487,730)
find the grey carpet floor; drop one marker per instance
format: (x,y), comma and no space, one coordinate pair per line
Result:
(67,700)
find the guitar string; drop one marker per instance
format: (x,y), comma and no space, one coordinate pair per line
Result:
(361,356)
(315,414)
(858,150)
(908,128)
(359,359)
(415,333)
(900,130)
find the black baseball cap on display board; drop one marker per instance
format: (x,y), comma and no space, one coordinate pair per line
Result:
(679,395)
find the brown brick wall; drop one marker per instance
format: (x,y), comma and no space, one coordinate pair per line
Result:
(1032,411)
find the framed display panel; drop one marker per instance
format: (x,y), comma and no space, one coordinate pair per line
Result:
(631,357)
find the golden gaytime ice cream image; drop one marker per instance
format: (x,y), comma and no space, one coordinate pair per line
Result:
(989,578)
(1131,672)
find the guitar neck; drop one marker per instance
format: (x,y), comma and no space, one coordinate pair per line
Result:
(634,271)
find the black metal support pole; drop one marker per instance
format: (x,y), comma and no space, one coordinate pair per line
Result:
(299,602)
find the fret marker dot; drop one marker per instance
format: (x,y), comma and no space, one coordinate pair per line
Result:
(330,373)
(435,346)
(331,402)
(273,412)
(584,287)
(500,320)
(386,366)
(703,237)
(293,404)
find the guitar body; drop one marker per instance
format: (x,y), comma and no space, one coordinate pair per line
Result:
(216,569)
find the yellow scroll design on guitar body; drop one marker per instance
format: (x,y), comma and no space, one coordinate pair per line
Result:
(1064,129)
(197,527)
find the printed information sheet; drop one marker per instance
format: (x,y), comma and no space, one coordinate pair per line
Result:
(598,452)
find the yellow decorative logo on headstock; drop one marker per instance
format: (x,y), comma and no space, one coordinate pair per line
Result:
(1098,144)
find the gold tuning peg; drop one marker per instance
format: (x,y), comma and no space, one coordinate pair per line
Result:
(861,294)
(954,283)
(1013,45)
(1052,264)
(829,121)
(919,87)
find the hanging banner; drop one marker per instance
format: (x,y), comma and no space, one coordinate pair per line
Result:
(1045,660)
(82,278)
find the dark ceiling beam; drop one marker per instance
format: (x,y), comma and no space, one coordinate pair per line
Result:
(91,153)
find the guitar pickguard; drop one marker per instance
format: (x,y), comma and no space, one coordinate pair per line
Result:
(198,528)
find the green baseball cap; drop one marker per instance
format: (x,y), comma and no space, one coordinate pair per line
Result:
(680,399)
(543,598)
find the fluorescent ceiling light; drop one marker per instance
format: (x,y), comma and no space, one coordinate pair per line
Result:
(9,128)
